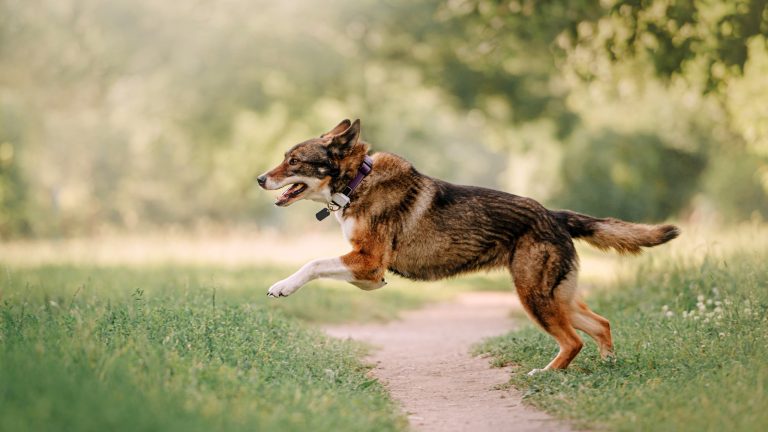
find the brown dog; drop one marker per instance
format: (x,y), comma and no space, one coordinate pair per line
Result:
(423,228)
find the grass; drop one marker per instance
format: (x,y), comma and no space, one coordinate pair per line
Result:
(320,301)
(691,335)
(190,348)
(196,347)
(141,364)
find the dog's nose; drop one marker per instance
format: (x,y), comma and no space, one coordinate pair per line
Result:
(262,180)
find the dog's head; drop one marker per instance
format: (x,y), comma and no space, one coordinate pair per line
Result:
(310,168)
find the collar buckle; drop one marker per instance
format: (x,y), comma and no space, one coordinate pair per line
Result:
(340,200)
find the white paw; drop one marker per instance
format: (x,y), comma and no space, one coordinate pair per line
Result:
(535,371)
(284,288)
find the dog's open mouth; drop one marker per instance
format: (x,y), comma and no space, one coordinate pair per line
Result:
(290,194)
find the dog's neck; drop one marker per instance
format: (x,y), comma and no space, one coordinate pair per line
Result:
(348,167)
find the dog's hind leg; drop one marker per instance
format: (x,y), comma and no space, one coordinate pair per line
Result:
(597,327)
(552,314)
(546,296)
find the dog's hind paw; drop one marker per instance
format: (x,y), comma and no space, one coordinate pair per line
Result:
(535,371)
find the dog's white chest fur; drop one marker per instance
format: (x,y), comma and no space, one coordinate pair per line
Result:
(347,224)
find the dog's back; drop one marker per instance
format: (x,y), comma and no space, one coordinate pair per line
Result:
(439,229)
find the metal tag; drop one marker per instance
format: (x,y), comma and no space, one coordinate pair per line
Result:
(322,214)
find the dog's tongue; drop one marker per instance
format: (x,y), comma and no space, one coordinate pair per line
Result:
(288,193)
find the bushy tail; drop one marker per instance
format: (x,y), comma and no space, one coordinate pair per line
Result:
(609,233)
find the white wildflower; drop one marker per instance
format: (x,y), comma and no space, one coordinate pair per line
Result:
(669,314)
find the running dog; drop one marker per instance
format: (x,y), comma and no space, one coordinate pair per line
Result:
(422,228)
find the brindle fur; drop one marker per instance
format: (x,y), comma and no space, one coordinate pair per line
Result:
(423,228)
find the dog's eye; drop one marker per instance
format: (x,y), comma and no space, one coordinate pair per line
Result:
(293,161)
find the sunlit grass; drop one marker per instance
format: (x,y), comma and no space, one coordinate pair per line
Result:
(169,347)
(191,346)
(691,333)
(236,248)
(179,349)
(321,301)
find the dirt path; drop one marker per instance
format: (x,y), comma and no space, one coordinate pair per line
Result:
(424,361)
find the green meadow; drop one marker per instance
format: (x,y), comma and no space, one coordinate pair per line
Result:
(690,329)
(189,348)
(196,347)
(135,240)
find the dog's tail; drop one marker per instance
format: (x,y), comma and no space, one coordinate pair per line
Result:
(606,233)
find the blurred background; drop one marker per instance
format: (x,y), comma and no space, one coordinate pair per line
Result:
(139,116)
(136,248)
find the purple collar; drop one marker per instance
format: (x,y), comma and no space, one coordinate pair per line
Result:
(363,171)
(340,200)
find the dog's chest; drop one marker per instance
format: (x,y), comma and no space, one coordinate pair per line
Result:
(347,225)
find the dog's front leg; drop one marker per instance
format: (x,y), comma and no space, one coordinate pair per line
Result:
(344,268)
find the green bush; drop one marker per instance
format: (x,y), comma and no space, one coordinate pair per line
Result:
(13,190)
(629,176)
(735,187)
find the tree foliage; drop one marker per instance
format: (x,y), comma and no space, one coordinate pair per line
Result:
(137,113)
(678,34)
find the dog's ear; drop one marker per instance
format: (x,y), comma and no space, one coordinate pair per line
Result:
(343,142)
(341,127)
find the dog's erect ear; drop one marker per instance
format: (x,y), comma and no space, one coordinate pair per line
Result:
(343,142)
(341,127)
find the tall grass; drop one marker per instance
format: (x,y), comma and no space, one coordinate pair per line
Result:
(325,301)
(118,349)
(170,347)
(691,335)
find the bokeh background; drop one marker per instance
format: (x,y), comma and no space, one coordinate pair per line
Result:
(136,248)
(145,116)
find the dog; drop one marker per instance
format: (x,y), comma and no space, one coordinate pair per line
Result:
(423,228)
